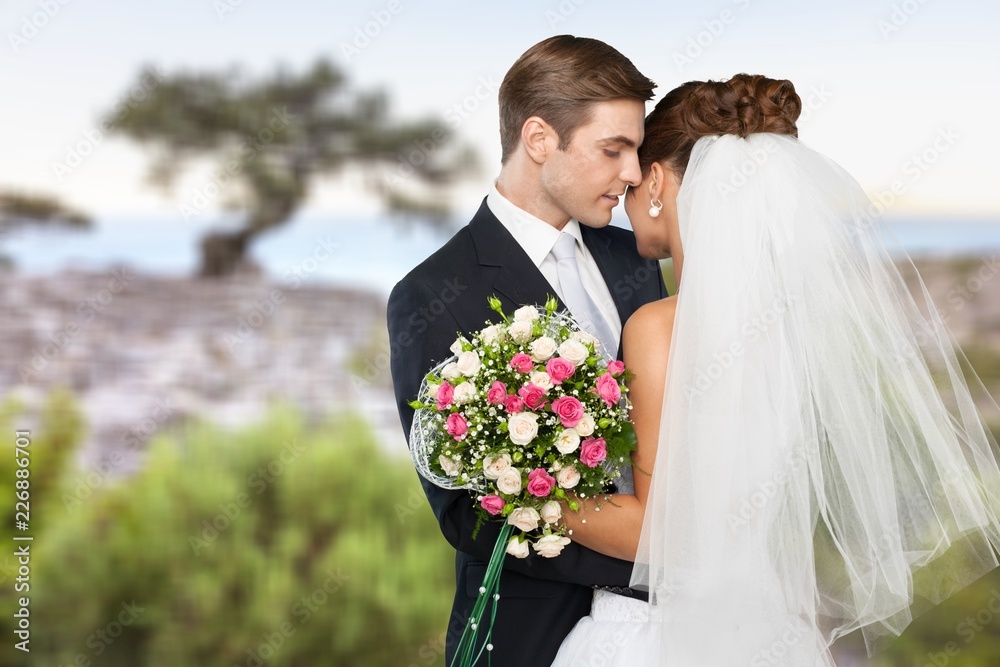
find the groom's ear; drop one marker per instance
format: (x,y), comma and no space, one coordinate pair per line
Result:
(538,139)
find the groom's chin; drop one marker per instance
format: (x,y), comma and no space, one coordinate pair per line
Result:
(596,221)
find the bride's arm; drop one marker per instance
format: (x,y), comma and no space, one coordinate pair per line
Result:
(615,530)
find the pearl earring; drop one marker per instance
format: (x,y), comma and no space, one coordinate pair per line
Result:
(655,205)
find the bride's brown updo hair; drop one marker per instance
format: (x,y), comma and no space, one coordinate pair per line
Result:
(743,105)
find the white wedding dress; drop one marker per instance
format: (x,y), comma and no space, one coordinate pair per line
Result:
(823,464)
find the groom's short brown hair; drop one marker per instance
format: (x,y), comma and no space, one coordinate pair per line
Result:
(559,79)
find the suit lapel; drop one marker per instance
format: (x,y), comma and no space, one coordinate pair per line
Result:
(517,279)
(614,268)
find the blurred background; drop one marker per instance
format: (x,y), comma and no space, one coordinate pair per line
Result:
(203,207)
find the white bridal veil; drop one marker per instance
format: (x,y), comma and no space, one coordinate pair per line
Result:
(822,463)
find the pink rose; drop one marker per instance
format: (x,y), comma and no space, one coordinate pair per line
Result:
(446,393)
(522,363)
(569,409)
(492,504)
(533,396)
(608,389)
(616,367)
(540,482)
(497,393)
(593,451)
(559,368)
(457,426)
(512,404)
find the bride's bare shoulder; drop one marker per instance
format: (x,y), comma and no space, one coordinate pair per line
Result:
(653,319)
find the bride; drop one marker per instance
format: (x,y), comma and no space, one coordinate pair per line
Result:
(815,462)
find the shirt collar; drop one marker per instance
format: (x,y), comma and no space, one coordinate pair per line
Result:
(534,235)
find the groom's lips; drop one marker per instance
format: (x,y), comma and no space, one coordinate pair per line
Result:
(613,198)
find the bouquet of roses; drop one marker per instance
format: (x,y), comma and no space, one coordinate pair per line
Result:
(528,414)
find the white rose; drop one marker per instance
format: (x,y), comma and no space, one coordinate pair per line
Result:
(464,393)
(520,332)
(574,351)
(522,427)
(542,349)
(551,512)
(432,391)
(586,425)
(494,467)
(468,363)
(525,518)
(451,371)
(490,334)
(587,339)
(568,477)
(518,548)
(456,347)
(542,379)
(567,441)
(509,481)
(451,466)
(526,314)
(550,546)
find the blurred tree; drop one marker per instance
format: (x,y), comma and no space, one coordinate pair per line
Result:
(271,137)
(18,210)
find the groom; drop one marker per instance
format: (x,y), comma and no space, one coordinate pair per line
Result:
(571,119)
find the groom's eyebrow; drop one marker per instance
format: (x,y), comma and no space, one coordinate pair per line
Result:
(620,139)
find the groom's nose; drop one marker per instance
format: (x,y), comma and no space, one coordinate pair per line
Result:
(631,174)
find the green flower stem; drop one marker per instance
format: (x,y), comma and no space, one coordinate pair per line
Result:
(466,654)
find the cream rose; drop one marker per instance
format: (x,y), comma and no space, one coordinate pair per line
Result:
(456,347)
(550,546)
(568,477)
(542,349)
(567,441)
(451,466)
(574,351)
(451,371)
(493,467)
(587,339)
(525,518)
(526,314)
(464,393)
(432,391)
(586,425)
(522,427)
(509,481)
(551,512)
(541,379)
(520,332)
(517,547)
(469,364)
(490,334)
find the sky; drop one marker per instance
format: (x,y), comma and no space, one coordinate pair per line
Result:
(895,91)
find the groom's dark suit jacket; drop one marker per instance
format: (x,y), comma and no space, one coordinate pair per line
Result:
(541,599)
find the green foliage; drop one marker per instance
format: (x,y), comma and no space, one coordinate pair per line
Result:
(298,545)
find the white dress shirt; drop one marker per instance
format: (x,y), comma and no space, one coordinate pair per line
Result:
(537,237)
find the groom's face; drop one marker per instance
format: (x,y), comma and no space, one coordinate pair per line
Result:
(586,180)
